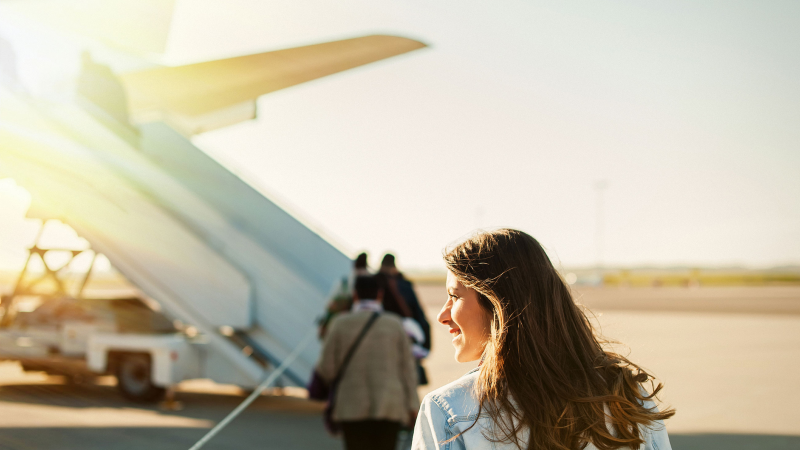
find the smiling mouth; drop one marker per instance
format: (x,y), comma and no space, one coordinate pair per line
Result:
(455,332)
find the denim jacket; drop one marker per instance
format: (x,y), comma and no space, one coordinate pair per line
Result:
(451,409)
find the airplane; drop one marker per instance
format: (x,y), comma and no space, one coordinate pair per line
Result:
(113,158)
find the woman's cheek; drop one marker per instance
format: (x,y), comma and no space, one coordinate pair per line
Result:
(455,314)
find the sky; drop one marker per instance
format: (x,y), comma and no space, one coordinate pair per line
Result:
(687,112)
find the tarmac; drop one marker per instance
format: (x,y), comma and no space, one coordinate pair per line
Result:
(729,359)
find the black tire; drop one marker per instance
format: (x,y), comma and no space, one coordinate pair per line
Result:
(134,378)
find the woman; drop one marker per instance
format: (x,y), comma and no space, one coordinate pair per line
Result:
(544,380)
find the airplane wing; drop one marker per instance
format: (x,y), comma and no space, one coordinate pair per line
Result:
(207,95)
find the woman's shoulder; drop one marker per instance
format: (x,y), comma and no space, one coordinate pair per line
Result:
(456,400)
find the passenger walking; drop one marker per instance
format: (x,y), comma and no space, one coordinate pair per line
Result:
(404,289)
(544,380)
(360,267)
(393,301)
(342,300)
(376,392)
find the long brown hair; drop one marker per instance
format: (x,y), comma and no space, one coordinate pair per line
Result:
(545,370)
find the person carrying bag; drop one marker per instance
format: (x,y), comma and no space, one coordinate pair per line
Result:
(319,390)
(368,367)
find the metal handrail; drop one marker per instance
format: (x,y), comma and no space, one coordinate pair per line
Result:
(257,392)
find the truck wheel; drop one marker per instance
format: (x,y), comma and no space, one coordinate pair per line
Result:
(134,378)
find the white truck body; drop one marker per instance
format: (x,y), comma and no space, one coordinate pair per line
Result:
(174,357)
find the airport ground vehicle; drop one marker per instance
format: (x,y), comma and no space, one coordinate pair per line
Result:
(248,286)
(245,276)
(58,330)
(49,324)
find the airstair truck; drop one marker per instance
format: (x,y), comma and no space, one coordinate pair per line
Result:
(192,235)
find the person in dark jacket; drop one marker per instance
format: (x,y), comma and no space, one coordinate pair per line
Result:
(401,299)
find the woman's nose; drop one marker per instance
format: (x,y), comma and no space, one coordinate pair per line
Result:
(444,314)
